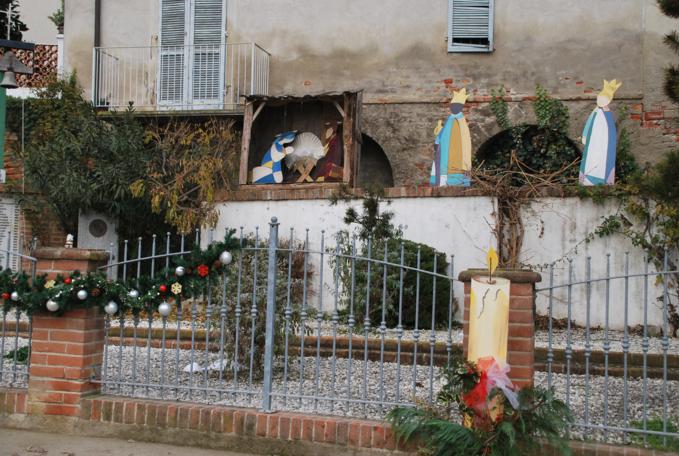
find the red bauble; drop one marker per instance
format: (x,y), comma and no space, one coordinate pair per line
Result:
(162,288)
(5,296)
(68,280)
(203,270)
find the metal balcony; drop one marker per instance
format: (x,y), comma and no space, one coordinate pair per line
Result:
(179,78)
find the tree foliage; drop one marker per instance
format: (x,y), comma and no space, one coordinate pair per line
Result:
(17,27)
(79,162)
(649,217)
(372,290)
(152,178)
(540,148)
(188,164)
(671,8)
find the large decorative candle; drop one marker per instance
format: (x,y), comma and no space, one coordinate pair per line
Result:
(488,319)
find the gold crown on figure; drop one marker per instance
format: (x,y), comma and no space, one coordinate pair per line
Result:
(609,88)
(460,96)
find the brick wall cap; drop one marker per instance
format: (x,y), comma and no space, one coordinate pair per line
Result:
(62,253)
(514,275)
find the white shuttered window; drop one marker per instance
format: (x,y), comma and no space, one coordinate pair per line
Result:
(470,25)
(192,35)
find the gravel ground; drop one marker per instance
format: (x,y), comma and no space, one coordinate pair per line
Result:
(559,336)
(381,382)
(11,374)
(341,385)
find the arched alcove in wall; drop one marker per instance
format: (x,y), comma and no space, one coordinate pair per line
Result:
(374,166)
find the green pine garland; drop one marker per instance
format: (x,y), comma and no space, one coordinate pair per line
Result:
(540,417)
(201,268)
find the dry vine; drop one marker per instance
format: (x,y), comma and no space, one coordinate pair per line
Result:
(513,188)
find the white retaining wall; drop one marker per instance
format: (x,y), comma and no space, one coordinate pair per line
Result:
(555,231)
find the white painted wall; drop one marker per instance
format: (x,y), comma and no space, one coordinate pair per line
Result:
(34,13)
(442,223)
(555,230)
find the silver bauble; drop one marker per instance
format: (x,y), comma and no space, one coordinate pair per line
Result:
(180,271)
(52,306)
(225,257)
(82,294)
(134,294)
(111,307)
(164,309)
(14,296)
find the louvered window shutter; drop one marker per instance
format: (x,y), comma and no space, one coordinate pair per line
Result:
(208,52)
(470,25)
(172,69)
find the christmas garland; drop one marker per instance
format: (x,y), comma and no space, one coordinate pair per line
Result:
(189,277)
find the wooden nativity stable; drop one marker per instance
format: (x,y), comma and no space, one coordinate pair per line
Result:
(332,120)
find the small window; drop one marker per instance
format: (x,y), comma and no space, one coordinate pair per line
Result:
(470,25)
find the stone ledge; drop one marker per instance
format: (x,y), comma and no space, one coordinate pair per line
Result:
(514,275)
(62,253)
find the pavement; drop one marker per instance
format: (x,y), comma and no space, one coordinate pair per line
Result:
(25,443)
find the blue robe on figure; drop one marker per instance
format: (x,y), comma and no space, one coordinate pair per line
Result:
(601,140)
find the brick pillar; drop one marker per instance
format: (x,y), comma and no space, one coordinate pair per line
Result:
(64,348)
(521,336)
(60,260)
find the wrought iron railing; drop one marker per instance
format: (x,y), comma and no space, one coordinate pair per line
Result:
(15,332)
(283,329)
(158,78)
(621,380)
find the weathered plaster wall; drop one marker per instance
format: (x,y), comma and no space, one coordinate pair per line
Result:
(555,231)
(395,50)
(34,13)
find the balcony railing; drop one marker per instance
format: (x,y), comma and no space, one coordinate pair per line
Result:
(159,78)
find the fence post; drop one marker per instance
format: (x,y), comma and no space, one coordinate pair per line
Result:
(270,315)
(521,336)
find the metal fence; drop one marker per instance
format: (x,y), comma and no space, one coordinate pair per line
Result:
(352,329)
(179,77)
(622,382)
(15,333)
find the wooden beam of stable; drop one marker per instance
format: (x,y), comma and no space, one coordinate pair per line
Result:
(259,109)
(339,108)
(245,149)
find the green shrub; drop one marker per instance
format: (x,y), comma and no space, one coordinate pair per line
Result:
(360,290)
(657,442)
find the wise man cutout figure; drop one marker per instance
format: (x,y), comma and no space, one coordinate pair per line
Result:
(453,147)
(600,138)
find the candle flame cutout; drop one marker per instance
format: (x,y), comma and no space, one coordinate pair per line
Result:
(492,261)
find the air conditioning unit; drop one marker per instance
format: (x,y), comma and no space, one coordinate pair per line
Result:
(99,232)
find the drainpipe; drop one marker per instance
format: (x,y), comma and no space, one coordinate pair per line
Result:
(97,23)
(97,43)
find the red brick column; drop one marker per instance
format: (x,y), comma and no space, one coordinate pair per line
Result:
(60,260)
(521,340)
(65,348)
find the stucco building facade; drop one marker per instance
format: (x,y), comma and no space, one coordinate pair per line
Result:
(396,51)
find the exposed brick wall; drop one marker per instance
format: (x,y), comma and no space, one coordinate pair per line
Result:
(43,61)
(521,336)
(48,230)
(288,427)
(13,401)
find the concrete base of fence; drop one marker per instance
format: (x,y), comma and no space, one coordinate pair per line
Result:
(521,336)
